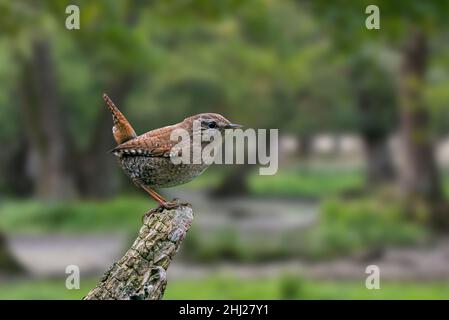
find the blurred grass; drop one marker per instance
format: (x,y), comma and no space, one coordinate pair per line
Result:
(124,213)
(362,225)
(303,180)
(229,244)
(232,288)
(307,181)
(31,216)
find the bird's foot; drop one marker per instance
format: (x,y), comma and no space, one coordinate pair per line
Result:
(173,204)
(168,205)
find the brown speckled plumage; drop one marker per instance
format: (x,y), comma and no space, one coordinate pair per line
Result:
(160,172)
(146,158)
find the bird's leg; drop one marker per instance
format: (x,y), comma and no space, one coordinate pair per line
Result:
(156,196)
(159,199)
(163,203)
(178,202)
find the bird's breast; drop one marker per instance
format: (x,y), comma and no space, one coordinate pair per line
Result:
(160,171)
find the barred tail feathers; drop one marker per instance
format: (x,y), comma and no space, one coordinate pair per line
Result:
(122,129)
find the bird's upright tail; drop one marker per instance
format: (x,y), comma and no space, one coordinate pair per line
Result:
(121,130)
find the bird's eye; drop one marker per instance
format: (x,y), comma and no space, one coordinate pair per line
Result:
(212,125)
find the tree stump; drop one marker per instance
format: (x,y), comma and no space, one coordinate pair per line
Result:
(8,263)
(141,273)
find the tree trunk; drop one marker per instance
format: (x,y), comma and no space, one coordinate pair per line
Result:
(305,146)
(13,165)
(235,183)
(46,127)
(141,273)
(376,114)
(8,263)
(419,178)
(418,174)
(379,163)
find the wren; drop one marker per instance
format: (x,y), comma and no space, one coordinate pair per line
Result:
(146,159)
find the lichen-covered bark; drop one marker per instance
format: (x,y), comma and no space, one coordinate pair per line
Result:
(140,273)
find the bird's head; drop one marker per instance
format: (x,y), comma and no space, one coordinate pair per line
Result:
(211,121)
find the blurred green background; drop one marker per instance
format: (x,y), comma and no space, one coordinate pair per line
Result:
(363,119)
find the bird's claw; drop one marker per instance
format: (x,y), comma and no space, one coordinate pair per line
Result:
(175,203)
(168,205)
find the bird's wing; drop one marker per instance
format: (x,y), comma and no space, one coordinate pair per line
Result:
(155,143)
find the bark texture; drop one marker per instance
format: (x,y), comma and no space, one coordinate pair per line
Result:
(141,273)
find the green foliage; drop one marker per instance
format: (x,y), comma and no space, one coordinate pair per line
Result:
(263,63)
(346,19)
(260,62)
(374,91)
(361,226)
(8,110)
(291,287)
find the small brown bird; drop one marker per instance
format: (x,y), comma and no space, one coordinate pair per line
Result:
(146,159)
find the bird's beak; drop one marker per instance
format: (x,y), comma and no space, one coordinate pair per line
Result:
(233,126)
